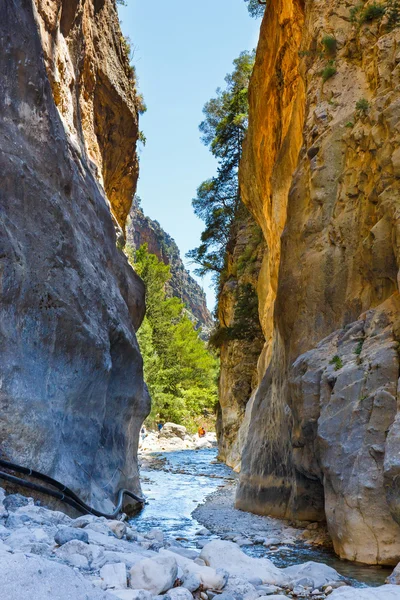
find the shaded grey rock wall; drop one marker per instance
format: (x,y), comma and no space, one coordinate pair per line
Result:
(72,397)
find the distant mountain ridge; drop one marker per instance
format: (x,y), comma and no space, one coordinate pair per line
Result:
(140,230)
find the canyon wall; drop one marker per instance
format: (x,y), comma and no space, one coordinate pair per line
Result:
(72,396)
(320,175)
(141,230)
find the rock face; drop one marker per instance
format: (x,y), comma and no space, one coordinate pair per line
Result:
(241,338)
(72,395)
(143,230)
(320,175)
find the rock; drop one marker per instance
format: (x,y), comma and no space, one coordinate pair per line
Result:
(155,534)
(61,263)
(191,581)
(143,230)
(114,575)
(311,573)
(385,592)
(186,552)
(268,590)
(79,554)
(131,534)
(203,531)
(334,425)
(30,577)
(14,501)
(66,534)
(134,595)
(173,430)
(395,576)
(118,528)
(179,593)
(209,577)
(156,575)
(226,596)
(227,555)
(241,589)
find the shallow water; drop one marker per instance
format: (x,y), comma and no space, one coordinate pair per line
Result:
(187,478)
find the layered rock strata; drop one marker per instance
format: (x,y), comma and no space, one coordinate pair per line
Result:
(72,396)
(320,175)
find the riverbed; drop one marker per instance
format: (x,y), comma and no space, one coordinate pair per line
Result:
(178,484)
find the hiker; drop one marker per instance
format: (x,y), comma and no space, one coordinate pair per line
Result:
(201,431)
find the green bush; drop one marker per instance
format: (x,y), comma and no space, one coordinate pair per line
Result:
(359,347)
(393,13)
(362,105)
(372,12)
(329,43)
(329,71)
(337,361)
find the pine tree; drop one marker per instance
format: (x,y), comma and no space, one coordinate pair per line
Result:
(218,199)
(180,371)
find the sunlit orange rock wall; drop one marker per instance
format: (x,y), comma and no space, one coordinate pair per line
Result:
(321,178)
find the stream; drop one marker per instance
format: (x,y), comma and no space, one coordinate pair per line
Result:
(175,483)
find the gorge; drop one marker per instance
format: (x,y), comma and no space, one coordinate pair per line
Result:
(308,309)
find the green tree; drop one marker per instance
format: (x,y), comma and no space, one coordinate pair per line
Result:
(180,371)
(256,8)
(218,199)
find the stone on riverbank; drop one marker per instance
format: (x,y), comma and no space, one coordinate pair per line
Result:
(66,534)
(227,555)
(30,577)
(171,430)
(318,574)
(385,592)
(157,575)
(208,576)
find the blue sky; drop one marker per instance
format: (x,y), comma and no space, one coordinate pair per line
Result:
(182,52)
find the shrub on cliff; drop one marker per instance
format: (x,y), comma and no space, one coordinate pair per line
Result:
(180,371)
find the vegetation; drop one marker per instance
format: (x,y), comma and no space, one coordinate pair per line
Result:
(329,71)
(337,361)
(180,371)
(329,43)
(246,325)
(359,347)
(393,13)
(372,12)
(218,199)
(360,14)
(256,8)
(362,105)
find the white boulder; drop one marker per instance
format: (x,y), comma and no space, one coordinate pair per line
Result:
(114,575)
(319,573)
(210,579)
(385,592)
(30,577)
(118,528)
(227,555)
(173,430)
(157,575)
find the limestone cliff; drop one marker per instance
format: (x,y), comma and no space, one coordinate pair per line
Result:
(239,336)
(72,397)
(320,174)
(143,230)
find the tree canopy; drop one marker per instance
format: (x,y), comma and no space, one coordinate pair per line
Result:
(218,199)
(255,7)
(180,371)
